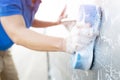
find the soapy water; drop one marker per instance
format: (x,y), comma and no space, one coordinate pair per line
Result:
(110,72)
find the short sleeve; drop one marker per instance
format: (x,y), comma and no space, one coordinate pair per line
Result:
(10,7)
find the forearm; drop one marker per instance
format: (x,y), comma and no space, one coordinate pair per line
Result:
(20,35)
(40,42)
(38,23)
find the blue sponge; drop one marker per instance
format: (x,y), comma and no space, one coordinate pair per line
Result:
(88,14)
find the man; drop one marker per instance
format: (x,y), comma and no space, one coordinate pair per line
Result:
(16,17)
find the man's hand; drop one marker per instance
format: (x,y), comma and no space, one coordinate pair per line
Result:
(62,15)
(80,36)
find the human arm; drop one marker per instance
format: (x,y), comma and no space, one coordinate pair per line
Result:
(39,24)
(20,35)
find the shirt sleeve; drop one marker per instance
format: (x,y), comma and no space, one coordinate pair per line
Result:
(10,7)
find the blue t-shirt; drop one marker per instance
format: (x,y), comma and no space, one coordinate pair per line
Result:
(22,7)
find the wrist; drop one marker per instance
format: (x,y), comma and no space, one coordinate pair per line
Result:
(63,45)
(57,23)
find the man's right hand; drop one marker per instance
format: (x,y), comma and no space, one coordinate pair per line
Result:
(80,36)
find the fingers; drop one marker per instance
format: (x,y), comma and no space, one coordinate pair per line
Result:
(63,12)
(82,25)
(63,15)
(80,37)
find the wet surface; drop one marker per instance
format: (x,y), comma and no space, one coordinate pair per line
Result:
(107,52)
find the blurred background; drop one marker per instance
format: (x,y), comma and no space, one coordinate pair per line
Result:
(34,65)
